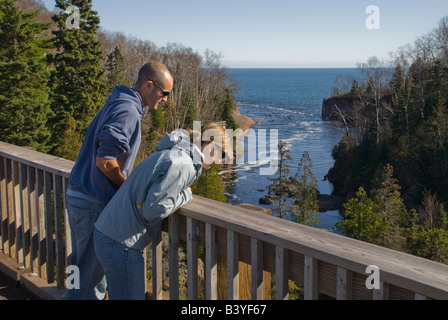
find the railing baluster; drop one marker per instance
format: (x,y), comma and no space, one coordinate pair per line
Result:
(17,212)
(192,260)
(11,231)
(211,263)
(281,273)
(173,223)
(25,214)
(418,296)
(68,235)
(233,284)
(4,244)
(41,224)
(157,267)
(59,215)
(257,269)
(344,284)
(382,293)
(311,278)
(49,225)
(33,220)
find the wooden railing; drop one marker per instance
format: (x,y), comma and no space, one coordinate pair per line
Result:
(34,232)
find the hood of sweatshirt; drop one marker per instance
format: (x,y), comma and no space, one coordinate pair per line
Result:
(179,143)
(123,93)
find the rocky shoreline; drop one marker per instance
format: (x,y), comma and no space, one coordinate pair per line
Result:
(326,202)
(244,122)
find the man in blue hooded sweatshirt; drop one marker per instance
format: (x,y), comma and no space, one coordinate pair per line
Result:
(104,162)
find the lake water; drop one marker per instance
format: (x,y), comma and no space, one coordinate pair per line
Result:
(290,101)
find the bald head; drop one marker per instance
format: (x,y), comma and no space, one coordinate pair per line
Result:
(154,84)
(154,71)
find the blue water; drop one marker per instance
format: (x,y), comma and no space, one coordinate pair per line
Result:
(289,100)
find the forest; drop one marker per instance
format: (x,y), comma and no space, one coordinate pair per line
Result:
(54,79)
(392,162)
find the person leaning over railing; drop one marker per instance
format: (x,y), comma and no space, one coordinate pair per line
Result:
(156,188)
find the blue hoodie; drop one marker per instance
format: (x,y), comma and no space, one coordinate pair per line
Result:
(114,134)
(155,189)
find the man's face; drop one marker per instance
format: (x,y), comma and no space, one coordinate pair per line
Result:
(157,93)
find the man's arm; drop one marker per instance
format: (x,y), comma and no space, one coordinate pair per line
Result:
(111,170)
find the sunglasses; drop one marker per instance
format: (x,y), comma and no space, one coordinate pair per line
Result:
(164,92)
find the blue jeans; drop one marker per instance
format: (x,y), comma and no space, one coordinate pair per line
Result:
(124,268)
(82,214)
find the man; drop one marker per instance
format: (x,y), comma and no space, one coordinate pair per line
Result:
(104,162)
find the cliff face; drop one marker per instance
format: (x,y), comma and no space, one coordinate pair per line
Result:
(336,107)
(353,108)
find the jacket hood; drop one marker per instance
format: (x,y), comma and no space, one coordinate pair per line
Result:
(123,93)
(179,142)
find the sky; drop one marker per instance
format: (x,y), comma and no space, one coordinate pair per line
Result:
(276,34)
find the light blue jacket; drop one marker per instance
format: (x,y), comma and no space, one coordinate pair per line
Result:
(154,190)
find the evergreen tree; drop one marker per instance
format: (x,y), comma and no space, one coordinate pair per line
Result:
(305,206)
(280,188)
(228,110)
(209,185)
(24,104)
(389,208)
(361,221)
(77,81)
(115,75)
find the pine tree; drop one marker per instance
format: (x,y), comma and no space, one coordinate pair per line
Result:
(305,206)
(115,75)
(280,189)
(77,81)
(24,104)
(390,208)
(361,221)
(228,110)
(209,185)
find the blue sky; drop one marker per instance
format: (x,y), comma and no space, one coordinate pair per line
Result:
(281,33)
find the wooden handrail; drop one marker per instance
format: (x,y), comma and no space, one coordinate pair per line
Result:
(34,232)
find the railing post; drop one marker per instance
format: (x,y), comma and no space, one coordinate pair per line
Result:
(33,220)
(344,284)
(157,267)
(49,226)
(257,269)
(173,225)
(11,231)
(192,260)
(211,263)
(41,223)
(17,212)
(281,273)
(233,285)
(311,278)
(68,234)
(24,210)
(382,293)
(4,244)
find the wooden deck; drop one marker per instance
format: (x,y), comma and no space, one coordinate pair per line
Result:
(34,235)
